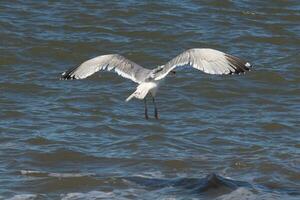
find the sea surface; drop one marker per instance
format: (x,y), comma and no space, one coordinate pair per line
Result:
(218,137)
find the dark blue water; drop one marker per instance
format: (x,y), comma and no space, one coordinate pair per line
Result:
(81,140)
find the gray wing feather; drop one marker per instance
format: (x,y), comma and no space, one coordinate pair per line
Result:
(207,60)
(118,63)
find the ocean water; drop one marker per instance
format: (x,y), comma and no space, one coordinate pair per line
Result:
(218,137)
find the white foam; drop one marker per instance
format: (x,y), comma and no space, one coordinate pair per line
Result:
(58,175)
(240,193)
(23,197)
(89,195)
(69,175)
(246,194)
(31,172)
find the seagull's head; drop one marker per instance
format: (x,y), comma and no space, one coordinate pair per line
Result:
(155,71)
(158,69)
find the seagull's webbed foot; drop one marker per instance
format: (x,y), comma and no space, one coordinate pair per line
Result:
(146,110)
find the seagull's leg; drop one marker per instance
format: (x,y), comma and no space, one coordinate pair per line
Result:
(155,108)
(146,110)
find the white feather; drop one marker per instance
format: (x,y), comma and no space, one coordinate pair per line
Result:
(207,60)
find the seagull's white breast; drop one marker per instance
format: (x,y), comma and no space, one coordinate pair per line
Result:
(151,86)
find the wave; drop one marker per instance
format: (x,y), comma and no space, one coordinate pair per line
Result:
(198,185)
(212,186)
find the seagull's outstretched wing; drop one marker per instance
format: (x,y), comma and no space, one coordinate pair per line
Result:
(207,60)
(118,63)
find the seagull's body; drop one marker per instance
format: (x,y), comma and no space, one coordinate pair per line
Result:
(207,60)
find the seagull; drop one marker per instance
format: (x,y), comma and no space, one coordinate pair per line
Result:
(209,61)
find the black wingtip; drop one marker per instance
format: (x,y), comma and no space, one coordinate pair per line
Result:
(68,75)
(240,66)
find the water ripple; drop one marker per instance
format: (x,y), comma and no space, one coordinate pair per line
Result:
(75,139)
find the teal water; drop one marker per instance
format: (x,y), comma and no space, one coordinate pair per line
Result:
(81,140)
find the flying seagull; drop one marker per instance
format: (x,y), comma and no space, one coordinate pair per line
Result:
(207,60)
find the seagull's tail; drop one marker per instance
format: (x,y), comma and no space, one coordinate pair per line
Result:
(141,91)
(139,94)
(131,96)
